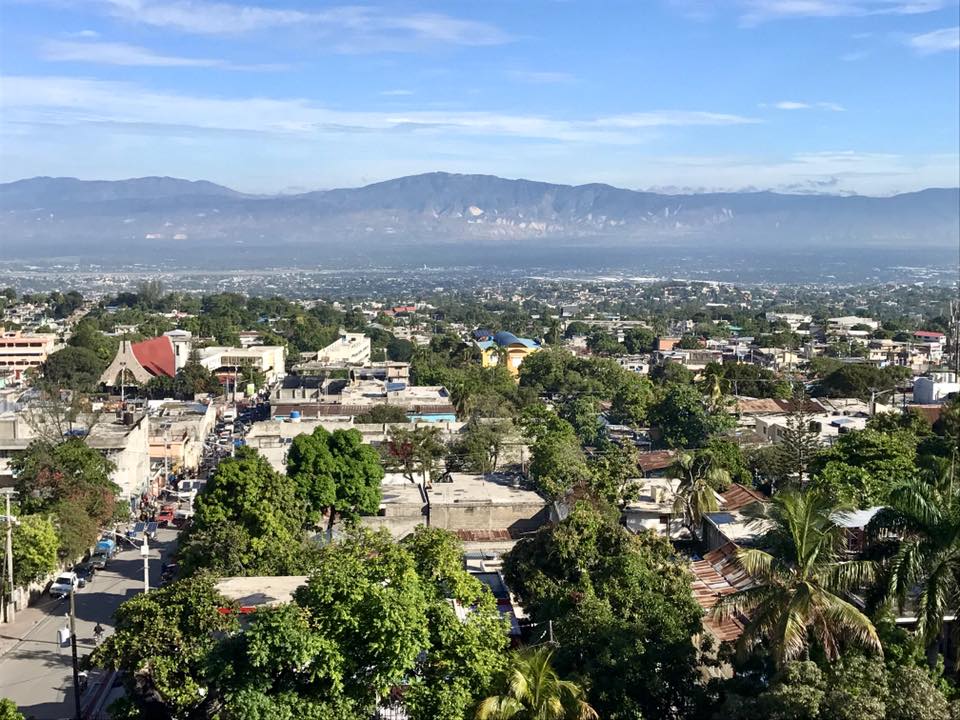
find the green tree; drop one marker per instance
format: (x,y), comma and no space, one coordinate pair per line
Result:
(583,414)
(638,340)
(683,418)
(35,546)
(557,464)
(415,451)
(534,691)
(366,599)
(251,515)
(631,402)
(614,474)
(621,609)
(862,467)
(77,368)
(799,444)
(72,482)
(700,480)
(8,710)
(926,563)
(463,656)
(479,447)
(600,342)
(336,474)
(161,645)
(801,584)
(383,414)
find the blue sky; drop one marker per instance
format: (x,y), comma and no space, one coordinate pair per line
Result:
(796,95)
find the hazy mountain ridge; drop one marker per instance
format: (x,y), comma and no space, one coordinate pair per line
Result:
(101,216)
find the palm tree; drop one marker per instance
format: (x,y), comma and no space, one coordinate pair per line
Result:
(536,692)
(696,494)
(802,586)
(926,517)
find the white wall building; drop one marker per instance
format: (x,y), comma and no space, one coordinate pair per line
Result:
(348,349)
(268,359)
(936,388)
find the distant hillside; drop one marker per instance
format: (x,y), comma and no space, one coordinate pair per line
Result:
(56,215)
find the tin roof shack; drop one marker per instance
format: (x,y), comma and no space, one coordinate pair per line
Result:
(735,521)
(717,575)
(485,503)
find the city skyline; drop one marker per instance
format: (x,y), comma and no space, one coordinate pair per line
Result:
(827,95)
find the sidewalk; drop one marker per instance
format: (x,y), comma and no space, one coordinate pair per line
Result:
(26,620)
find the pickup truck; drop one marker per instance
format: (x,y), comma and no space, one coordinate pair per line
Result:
(165,516)
(65,584)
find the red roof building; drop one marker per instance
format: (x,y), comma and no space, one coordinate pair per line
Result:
(156,356)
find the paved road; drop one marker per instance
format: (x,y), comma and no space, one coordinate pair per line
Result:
(36,673)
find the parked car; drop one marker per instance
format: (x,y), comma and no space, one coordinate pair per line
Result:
(99,560)
(165,516)
(65,584)
(85,571)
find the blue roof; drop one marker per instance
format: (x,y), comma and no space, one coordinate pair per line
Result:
(504,338)
(485,344)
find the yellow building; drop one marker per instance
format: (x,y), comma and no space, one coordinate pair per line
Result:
(509,347)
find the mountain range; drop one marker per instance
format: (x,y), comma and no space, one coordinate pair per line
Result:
(43,217)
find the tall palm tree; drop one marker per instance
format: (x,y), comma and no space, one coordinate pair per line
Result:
(536,692)
(696,494)
(802,585)
(926,566)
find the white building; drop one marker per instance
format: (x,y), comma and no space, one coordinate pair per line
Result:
(348,349)
(936,388)
(182,341)
(793,320)
(268,359)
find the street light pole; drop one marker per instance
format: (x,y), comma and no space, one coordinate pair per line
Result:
(145,554)
(73,650)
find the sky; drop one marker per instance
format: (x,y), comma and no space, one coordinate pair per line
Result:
(840,96)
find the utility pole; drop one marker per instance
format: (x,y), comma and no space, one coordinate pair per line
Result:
(73,650)
(10,609)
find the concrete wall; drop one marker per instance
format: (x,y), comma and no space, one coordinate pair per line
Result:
(488,516)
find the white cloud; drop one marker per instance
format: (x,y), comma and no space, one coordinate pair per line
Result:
(943,40)
(347,28)
(754,12)
(797,105)
(540,77)
(835,171)
(396,93)
(32,100)
(111,53)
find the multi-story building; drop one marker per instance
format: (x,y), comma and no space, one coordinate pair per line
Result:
(348,349)
(20,352)
(226,361)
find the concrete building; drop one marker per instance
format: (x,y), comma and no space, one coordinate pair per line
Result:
(177,432)
(20,352)
(121,437)
(182,341)
(936,388)
(226,361)
(793,320)
(481,509)
(306,396)
(349,349)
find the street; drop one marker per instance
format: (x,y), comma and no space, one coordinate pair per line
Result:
(35,672)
